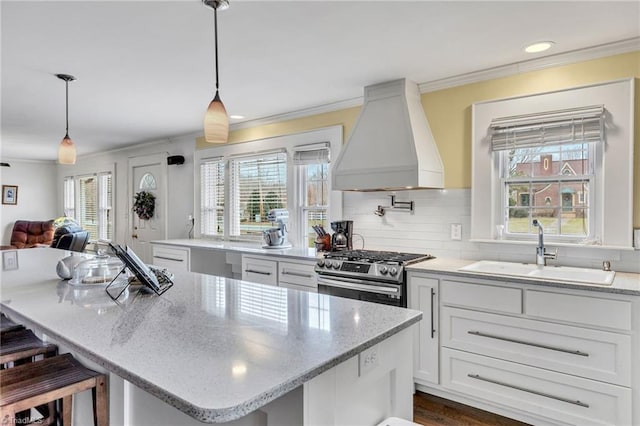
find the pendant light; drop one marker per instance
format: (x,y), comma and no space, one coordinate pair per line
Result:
(67,149)
(216,121)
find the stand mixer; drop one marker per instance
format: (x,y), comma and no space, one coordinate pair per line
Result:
(277,237)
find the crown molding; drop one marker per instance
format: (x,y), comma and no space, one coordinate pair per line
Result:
(26,160)
(595,52)
(306,112)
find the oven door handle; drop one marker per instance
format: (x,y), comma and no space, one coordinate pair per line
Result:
(357,285)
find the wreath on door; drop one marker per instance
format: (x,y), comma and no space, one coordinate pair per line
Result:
(144,205)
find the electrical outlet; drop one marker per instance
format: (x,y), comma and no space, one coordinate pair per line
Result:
(368,360)
(456,231)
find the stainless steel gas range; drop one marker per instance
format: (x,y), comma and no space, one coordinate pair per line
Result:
(373,276)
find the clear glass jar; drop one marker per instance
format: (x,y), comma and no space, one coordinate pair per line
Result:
(101,269)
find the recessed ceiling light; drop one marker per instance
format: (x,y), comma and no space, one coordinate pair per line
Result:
(538,47)
(237,117)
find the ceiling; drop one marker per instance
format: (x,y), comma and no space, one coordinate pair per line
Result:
(144,69)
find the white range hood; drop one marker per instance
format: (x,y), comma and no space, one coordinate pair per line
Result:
(391,146)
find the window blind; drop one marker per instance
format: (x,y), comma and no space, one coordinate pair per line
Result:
(69,197)
(577,125)
(258,184)
(311,154)
(105,209)
(212,196)
(87,205)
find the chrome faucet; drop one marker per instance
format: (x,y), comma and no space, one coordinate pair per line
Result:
(541,252)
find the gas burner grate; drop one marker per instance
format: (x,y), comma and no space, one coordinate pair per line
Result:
(373,256)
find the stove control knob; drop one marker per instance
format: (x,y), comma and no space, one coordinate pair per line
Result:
(320,263)
(393,271)
(383,270)
(336,265)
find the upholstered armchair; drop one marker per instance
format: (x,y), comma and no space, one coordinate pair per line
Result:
(27,234)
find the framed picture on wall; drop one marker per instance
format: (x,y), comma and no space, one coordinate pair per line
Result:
(9,194)
(9,260)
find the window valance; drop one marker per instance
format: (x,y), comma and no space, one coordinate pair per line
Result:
(569,126)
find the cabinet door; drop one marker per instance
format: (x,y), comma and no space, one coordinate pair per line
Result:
(298,274)
(172,258)
(423,296)
(260,270)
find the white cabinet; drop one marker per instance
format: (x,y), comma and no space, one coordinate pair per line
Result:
(423,296)
(172,258)
(299,275)
(541,354)
(289,273)
(559,397)
(260,270)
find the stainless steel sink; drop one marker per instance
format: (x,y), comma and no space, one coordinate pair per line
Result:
(550,273)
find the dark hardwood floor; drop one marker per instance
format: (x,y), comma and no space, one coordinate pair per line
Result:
(429,410)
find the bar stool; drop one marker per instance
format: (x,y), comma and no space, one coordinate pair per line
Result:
(7,325)
(21,346)
(41,382)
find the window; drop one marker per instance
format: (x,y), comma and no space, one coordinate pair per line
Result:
(547,157)
(534,191)
(312,162)
(88,199)
(575,131)
(258,183)
(212,197)
(240,183)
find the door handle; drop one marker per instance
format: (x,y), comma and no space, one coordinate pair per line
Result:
(134,235)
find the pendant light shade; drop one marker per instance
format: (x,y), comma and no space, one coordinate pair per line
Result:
(216,120)
(67,149)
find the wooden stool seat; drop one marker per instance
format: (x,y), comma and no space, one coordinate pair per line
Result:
(7,325)
(60,377)
(23,345)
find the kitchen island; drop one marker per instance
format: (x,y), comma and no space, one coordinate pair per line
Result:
(219,350)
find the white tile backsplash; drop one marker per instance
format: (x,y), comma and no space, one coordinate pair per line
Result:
(427,230)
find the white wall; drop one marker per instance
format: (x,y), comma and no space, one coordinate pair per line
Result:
(427,230)
(180,182)
(37,193)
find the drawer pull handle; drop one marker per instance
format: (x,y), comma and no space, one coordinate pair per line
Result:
(433,329)
(168,258)
(297,274)
(546,395)
(253,271)
(522,342)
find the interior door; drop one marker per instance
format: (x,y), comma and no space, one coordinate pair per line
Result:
(148,173)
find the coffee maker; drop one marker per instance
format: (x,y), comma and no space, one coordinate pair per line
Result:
(342,238)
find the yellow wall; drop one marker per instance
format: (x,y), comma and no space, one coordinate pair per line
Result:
(449,112)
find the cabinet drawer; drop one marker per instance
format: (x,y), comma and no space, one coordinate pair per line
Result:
(298,273)
(588,310)
(259,270)
(594,354)
(298,287)
(560,397)
(173,258)
(501,299)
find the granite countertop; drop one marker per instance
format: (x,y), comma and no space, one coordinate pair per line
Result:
(623,283)
(242,246)
(215,348)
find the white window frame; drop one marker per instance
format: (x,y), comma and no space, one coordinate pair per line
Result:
(301,189)
(332,135)
(595,160)
(613,190)
(102,203)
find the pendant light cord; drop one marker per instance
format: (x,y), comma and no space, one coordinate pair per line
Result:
(66,83)
(215,30)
